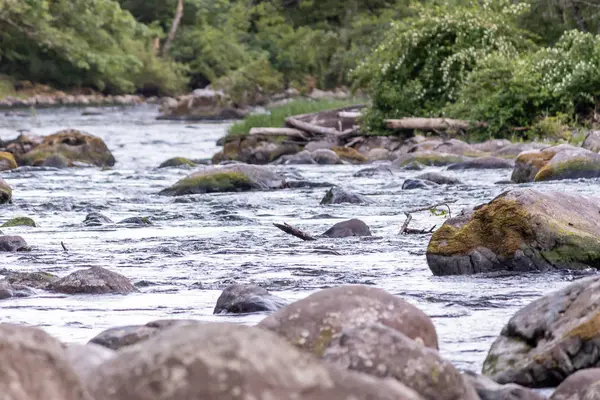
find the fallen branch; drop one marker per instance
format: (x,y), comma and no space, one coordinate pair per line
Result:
(312,128)
(350,114)
(290,132)
(432,124)
(64,247)
(290,230)
(405,230)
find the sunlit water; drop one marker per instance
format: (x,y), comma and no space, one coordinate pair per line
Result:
(200,244)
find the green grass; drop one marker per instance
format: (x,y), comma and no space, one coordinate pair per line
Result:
(275,118)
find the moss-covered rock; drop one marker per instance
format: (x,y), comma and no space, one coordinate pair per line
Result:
(520,230)
(177,162)
(7,161)
(254,150)
(349,154)
(230,178)
(74,145)
(549,339)
(5,192)
(430,158)
(19,221)
(37,280)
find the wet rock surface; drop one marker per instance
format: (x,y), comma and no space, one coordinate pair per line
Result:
(488,389)
(95,280)
(337,195)
(241,299)
(483,163)
(5,192)
(582,385)
(352,227)
(13,243)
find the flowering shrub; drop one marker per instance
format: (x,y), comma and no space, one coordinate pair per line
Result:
(421,64)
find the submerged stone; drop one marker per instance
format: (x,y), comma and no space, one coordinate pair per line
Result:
(19,221)
(177,162)
(241,299)
(411,184)
(482,163)
(339,196)
(352,227)
(13,243)
(96,219)
(428,158)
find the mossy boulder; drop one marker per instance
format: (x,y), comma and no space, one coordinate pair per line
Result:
(5,192)
(428,158)
(514,149)
(7,161)
(74,145)
(36,280)
(556,163)
(520,230)
(230,178)
(252,149)
(549,339)
(349,154)
(177,162)
(19,221)
(315,321)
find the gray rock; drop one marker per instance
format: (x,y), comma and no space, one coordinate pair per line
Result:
(320,144)
(513,150)
(492,145)
(549,339)
(380,170)
(136,221)
(520,230)
(592,141)
(352,227)
(96,219)
(37,280)
(414,166)
(84,359)
(177,162)
(384,352)
(302,158)
(123,336)
(5,192)
(95,280)
(313,322)
(13,243)
(34,367)
(6,290)
(411,184)
(228,361)
(337,195)
(326,157)
(241,299)
(439,178)
(428,158)
(56,161)
(579,386)
(483,163)
(487,389)
(378,154)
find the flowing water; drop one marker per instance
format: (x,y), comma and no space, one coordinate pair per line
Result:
(199,244)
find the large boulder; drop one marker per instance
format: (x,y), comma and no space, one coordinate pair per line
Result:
(337,195)
(514,149)
(326,157)
(85,358)
(13,243)
(304,157)
(201,104)
(520,230)
(455,146)
(384,352)
(579,386)
(5,192)
(74,145)
(491,146)
(220,361)
(229,178)
(36,280)
(487,389)
(555,163)
(24,143)
(429,158)
(35,367)
(483,163)
(410,184)
(240,299)
(549,339)
(380,170)
(7,161)
(349,154)
(592,141)
(439,178)
(96,219)
(351,227)
(253,149)
(94,280)
(313,322)
(8,290)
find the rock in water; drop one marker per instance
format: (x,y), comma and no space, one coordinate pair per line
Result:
(95,280)
(352,227)
(37,280)
(96,219)
(555,163)
(491,146)
(487,389)
(19,221)
(177,162)
(230,178)
(74,145)
(339,196)
(411,184)
(5,192)
(302,158)
(35,367)
(482,163)
(228,361)
(582,385)
(380,170)
(313,322)
(439,178)
(13,243)
(520,230)
(549,339)
(384,352)
(513,150)
(7,161)
(430,158)
(240,299)
(86,358)
(123,336)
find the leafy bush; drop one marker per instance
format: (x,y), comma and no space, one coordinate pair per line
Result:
(423,61)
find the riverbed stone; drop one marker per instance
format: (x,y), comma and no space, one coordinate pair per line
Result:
(337,195)
(592,141)
(35,366)
(5,192)
(492,145)
(520,230)
(241,299)
(123,336)
(439,178)
(177,162)
(96,219)
(349,155)
(579,386)
(141,221)
(201,104)
(326,157)
(411,184)
(487,389)
(229,178)
(36,280)
(352,227)
(13,243)
(85,358)
(555,163)
(549,339)
(483,163)
(253,149)
(315,321)
(94,280)
(514,149)
(378,154)
(227,361)
(384,352)
(380,170)
(19,221)
(428,158)
(458,147)
(7,161)
(76,146)
(304,157)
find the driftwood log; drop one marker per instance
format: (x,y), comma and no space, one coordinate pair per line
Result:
(405,230)
(291,230)
(350,114)
(290,132)
(432,124)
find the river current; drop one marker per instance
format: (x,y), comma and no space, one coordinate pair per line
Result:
(200,244)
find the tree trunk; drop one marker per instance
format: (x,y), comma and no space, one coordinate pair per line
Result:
(174,26)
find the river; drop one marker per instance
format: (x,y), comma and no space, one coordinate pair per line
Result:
(199,244)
